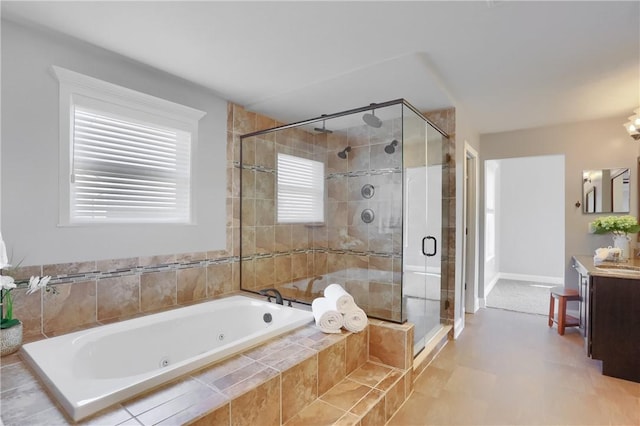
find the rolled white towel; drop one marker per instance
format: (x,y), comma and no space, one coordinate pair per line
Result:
(343,300)
(328,320)
(355,320)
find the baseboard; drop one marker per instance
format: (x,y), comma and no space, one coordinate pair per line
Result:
(457,328)
(476,307)
(534,278)
(491,284)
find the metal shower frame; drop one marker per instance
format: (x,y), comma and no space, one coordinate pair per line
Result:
(325,117)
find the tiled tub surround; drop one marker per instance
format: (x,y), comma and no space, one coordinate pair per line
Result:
(93,369)
(346,379)
(99,292)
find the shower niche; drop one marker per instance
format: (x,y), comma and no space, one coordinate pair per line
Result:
(353,198)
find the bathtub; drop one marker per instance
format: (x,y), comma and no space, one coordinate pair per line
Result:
(90,370)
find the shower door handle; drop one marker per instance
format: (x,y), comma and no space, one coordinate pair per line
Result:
(435,246)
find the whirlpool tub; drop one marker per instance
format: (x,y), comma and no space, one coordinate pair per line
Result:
(90,370)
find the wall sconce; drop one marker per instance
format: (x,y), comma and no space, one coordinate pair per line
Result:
(633,125)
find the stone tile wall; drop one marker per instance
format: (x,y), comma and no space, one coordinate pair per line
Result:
(446,120)
(93,293)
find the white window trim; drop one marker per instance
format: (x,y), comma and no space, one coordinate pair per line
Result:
(491,174)
(88,90)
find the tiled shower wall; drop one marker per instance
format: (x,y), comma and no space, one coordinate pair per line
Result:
(446,120)
(102,291)
(300,260)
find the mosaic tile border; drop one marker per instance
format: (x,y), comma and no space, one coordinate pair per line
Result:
(321,251)
(136,270)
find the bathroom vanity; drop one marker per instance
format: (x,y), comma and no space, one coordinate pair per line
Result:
(610,314)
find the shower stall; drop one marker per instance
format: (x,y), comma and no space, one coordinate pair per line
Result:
(353,198)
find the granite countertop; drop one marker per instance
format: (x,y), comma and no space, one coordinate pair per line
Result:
(587,263)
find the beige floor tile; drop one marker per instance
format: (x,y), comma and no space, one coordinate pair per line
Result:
(508,368)
(465,380)
(432,381)
(447,409)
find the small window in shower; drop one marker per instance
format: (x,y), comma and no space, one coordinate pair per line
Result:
(300,190)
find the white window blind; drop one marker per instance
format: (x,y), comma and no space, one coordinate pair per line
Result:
(300,190)
(126,170)
(125,156)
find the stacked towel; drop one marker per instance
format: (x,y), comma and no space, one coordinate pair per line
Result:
(338,300)
(355,320)
(328,319)
(343,300)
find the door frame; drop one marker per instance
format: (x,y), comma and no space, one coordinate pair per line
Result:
(470,244)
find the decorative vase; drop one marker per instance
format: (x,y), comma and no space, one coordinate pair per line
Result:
(621,241)
(10,339)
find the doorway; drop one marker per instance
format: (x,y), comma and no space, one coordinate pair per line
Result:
(524,232)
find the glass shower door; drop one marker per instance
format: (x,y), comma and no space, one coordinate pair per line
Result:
(422,171)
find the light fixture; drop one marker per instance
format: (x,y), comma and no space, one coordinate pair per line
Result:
(633,125)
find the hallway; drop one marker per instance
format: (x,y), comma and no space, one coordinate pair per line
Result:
(509,368)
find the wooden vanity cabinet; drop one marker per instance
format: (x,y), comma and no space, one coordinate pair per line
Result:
(583,290)
(615,325)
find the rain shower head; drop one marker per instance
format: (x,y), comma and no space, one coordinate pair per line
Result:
(391,148)
(371,119)
(323,129)
(343,154)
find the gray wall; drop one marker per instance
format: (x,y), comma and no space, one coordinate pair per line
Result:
(29,168)
(531,212)
(592,144)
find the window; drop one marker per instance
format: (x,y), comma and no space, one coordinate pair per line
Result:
(125,156)
(300,190)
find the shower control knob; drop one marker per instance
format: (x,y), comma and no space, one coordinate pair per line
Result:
(367,191)
(367,216)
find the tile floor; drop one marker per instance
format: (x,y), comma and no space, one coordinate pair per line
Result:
(510,368)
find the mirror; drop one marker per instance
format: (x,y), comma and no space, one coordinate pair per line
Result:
(605,191)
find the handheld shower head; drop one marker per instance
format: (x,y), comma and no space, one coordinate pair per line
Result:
(343,154)
(371,119)
(391,148)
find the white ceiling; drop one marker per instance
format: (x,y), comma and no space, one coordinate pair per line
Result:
(508,65)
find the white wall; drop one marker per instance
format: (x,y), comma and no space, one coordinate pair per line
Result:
(531,208)
(29,186)
(594,144)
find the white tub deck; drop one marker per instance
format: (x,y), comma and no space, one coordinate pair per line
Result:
(90,370)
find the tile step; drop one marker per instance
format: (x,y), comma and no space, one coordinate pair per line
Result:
(369,395)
